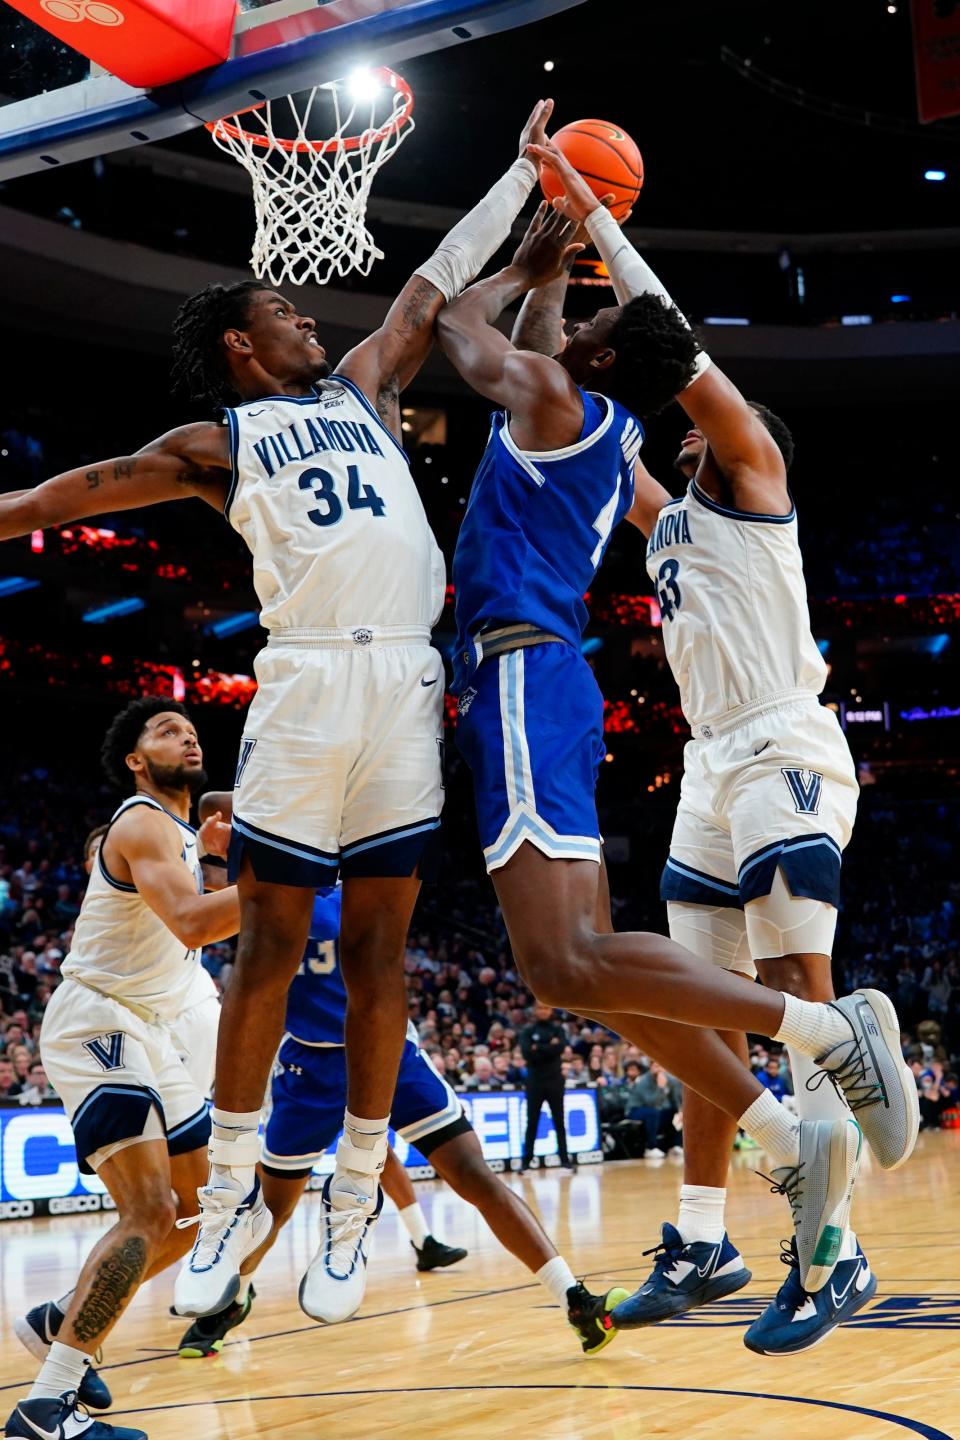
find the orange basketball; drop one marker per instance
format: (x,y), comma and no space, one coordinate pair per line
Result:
(607,159)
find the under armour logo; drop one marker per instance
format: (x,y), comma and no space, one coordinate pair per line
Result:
(805,792)
(246,750)
(107,1050)
(362,637)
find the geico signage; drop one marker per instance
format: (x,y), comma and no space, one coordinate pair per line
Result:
(38,1160)
(17,1209)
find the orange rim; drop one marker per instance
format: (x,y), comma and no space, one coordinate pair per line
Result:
(324,147)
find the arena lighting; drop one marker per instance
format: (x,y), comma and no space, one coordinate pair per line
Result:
(934,644)
(591,646)
(823,646)
(113,611)
(725,320)
(364,85)
(13,584)
(856,319)
(233,624)
(899,299)
(936,175)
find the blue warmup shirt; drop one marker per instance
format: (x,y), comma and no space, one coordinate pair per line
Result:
(537,526)
(317,999)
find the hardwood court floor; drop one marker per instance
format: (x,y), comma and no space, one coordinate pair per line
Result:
(478,1350)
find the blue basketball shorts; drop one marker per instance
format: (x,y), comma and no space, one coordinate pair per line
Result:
(309,1094)
(530,727)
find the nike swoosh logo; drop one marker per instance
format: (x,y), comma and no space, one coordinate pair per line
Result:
(839,1299)
(425,683)
(38,1430)
(761,750)
(705,1270)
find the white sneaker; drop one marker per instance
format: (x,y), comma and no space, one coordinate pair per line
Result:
(210,1279)
(655,1153)
(333,1287)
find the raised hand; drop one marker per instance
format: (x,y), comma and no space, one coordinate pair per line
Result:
(535,130)
(578,200)
(548,249)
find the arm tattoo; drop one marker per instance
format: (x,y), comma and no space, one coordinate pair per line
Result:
(422,298)
(119,1272)
(538,330)
(93,479)
(123,470)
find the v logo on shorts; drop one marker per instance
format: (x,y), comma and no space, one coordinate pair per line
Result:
(805,792)
(247,748)
(107,1050)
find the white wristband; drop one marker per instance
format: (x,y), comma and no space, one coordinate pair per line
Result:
(480,234)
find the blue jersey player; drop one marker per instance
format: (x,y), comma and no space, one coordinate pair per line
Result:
(554,480)
(308,1093)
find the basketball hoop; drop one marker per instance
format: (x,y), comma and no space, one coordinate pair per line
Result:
(310,194)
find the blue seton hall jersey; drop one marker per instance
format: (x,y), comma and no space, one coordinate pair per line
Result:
(537,525)
(317,1000)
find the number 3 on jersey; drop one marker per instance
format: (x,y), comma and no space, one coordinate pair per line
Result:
(323,486)
(668,592)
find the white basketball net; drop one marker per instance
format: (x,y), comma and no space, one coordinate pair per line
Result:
(310,195)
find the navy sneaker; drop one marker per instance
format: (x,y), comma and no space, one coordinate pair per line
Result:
(683,1278)
(37,1331)
(60,1419)
(795,1319)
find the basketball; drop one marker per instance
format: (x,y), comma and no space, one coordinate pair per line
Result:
(607,159)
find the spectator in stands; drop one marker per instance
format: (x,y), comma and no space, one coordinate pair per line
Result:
(655,1099)
(10,1087)
(482,1076)
(773,1078)
(595,1073)
(20,1058)
(451,1067)
(38,1087)
(611,1063)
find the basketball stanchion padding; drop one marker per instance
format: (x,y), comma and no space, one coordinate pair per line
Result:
(143,42)
(312,158)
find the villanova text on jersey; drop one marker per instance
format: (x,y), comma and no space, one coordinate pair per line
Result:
(672,528)
(308,437)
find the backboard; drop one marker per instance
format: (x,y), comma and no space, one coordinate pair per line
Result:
(279,47)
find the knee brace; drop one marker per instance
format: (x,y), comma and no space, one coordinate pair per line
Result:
(783,924)
(716,934)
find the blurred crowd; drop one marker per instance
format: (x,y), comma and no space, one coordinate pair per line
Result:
(899,930)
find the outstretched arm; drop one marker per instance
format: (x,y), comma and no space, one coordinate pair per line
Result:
(386,362)
(190,461)
(745,453)
(545,406)
(539,326)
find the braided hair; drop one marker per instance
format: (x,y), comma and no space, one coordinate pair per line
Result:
(199,362)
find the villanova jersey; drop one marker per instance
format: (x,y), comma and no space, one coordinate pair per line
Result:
(736,627)
(538,523)
(122,947)
(323,496)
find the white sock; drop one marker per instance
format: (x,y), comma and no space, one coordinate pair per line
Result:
(63,1304)
(348,1183)
(235,1127)
(245,1282)
(774,1129)
(821,1102)
(415,1223)
(63,1369)
(811,1027)
(700,1216)
(556,1277)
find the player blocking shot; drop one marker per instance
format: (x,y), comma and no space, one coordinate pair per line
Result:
(306,1110)
(140,1119)
(767,805)
(339,770)
(556,476)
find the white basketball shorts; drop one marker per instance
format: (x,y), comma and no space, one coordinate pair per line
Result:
(340,764)
(775,792)
(195,1040)
(119,1077)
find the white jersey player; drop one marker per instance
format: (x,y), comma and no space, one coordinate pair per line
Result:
(340,766)
(110,1047)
